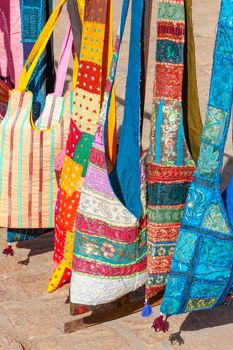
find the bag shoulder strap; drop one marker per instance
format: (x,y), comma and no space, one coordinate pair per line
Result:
(39,47)
(220,101)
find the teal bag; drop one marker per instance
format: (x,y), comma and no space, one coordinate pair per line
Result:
(202,268)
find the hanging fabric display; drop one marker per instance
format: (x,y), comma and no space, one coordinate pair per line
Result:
(109,258)
(11,50)
(201,274)
(95,55)
(169,165)
(34,14)
(27,179)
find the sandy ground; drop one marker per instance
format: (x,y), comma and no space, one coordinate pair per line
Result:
(30,318)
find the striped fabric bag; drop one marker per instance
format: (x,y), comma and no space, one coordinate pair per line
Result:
(28,183)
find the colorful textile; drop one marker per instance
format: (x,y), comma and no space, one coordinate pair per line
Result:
(11,50)
(96,48)
(27,179)
(201,274)
(110,241)
(170,166)
(34,14)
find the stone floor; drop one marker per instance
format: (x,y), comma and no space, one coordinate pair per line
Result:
(32,319)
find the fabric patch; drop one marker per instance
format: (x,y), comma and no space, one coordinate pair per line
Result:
(168,174)
(171,11)
(195,206)
(86,110)
(97,157)
(186,246)
(208,161)
(59,241)
(214,125)
(93,34)
(89,77)
(104,250)
(165,215)
(73,138)
(214,220)
(167,31)
(199,288)
(170,52)
(169,81)
(70,183)
(167,194)
(157,265)
(95,11)
(67,210)
(82,151)
(98,182)
(95,227)
(197,304)
(162,233)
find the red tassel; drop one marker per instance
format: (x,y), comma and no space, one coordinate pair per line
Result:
(8,251)
(160,324)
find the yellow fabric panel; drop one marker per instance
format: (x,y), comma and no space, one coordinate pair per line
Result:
(90,45)
(70,167)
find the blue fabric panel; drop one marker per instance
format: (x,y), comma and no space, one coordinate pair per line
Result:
(128,159)
(170,52)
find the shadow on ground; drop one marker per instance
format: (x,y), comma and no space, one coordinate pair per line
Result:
(39,245)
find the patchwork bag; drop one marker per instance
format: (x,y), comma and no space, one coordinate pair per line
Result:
(27,178)
(201,273)
(95,55)
(170,166)
(109,258)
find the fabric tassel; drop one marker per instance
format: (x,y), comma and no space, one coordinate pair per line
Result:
(147,310)
(8,251)
(160,324)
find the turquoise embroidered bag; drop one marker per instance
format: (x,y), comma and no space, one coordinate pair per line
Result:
(202,268)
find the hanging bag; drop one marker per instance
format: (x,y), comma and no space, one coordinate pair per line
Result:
(109,258)
(27,151)
(201,273)
(169,165)
(96,50)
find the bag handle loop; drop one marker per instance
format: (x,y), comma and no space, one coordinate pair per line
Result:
(39,47)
